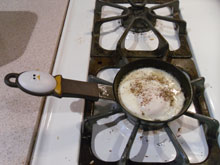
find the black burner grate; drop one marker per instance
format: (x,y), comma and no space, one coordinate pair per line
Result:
(140,19)
(210,124)
(182,58)
(134,13)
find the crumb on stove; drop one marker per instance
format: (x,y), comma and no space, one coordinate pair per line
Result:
(91,162)
(110,150)
(178,135)
(179,129)
(58,137)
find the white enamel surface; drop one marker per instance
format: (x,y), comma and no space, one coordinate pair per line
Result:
(37,82)
(203,24)
(59,133)
(152,146)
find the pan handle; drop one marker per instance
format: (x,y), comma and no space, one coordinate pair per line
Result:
(8,79)
(59,87)
(87,90)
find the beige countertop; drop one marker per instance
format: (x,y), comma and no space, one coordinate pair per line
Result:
(29,35)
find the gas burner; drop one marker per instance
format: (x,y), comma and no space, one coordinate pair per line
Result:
(127,17)
(134,13)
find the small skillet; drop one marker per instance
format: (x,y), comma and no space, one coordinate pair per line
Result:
(42,84)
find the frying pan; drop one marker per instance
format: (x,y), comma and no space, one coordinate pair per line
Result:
(60,87)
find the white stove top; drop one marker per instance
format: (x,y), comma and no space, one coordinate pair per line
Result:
(58,140)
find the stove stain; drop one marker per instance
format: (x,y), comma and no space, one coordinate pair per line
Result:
(162,143)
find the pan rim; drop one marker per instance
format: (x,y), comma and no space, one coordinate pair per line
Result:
(187,102)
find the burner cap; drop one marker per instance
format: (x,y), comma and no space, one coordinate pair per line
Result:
(138,26)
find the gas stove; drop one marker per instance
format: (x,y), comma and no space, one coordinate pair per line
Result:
(114,42)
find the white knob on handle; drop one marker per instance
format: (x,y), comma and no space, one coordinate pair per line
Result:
(37,82)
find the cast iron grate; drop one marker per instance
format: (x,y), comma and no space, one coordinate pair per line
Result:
(138,18)
(211,128)
(103,59)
